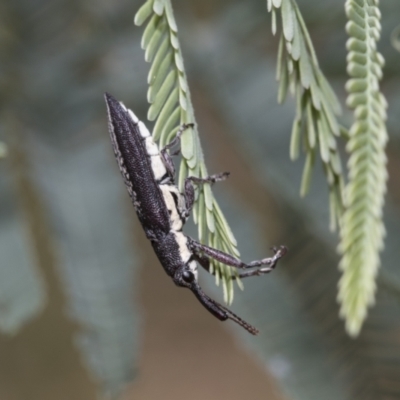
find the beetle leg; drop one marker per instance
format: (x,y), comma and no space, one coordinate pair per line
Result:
(209,179)
(164,152)
(178,135)
(189,189)
(205,263)
(227,259)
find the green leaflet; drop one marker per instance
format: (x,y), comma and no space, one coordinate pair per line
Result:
(167,119)
(161,96)
(153,45)
(287,20)
(311,134)
(295,140)
(144,12)
(307,173)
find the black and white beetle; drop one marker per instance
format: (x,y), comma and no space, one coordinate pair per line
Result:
(162,210)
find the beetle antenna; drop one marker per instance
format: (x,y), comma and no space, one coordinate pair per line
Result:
(219,311)
(249,328)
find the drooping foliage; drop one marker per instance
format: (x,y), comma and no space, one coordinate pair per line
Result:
(362,229)
(315,127)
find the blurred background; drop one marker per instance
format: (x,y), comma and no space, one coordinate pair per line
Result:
(85,307)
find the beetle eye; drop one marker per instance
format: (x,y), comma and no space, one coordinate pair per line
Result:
(188,276)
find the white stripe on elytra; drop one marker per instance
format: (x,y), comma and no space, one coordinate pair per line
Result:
(132,115)
(181,206)
(144,132)
(173,208)
(151,147)
(135,119)
(157,164)
(158,167)
(184,251)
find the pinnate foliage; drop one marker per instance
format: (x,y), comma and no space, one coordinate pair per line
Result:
(358,208)
(362,229)
(315,125)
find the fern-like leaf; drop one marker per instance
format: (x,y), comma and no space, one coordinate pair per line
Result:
(170,106)
(362,229)
(315,124)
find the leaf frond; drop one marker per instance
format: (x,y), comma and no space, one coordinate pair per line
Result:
(315,127)
(362,229)
(171,106)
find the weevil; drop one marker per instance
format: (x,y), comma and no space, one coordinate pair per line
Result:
(149,175)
